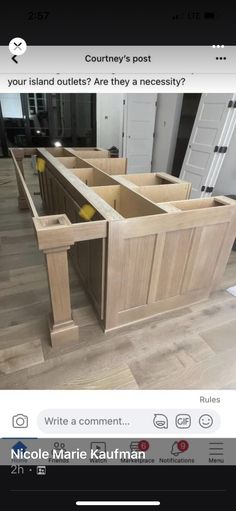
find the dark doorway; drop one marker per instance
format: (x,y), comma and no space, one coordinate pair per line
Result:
(72,119)
(188,113)
(41,120)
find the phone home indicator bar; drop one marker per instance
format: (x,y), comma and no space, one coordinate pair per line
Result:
(120,503)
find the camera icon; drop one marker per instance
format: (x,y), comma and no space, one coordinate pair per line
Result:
(20,421)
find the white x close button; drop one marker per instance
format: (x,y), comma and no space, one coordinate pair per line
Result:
(17,46)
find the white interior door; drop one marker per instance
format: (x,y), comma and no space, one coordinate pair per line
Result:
(208,135)
(110,121)
(139,122)
(228,139)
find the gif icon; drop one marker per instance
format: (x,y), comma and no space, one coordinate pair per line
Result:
(183,421)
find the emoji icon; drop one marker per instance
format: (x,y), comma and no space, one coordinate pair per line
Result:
(206,421)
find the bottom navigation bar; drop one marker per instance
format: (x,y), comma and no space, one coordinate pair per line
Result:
(23,452)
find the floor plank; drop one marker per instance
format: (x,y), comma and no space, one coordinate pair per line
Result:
(18,357)
(221,338)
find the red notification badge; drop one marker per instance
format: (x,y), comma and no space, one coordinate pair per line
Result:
(183,445)
(143,445)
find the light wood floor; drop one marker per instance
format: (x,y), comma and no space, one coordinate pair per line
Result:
(192,348)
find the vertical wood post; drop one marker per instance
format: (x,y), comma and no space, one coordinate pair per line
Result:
(115,260)
(55,237)
(19,156)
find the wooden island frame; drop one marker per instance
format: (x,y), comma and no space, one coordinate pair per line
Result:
(148,249)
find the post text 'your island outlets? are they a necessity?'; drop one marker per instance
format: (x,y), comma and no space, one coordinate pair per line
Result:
(71,81)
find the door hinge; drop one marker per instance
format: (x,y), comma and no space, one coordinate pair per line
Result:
(223,149)
(235,104)
(154,134)
(230,103)
(123,134)
(123,101)
(155,103)
(209,189)
(203,188)
(220,149)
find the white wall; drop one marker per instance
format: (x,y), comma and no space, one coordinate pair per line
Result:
(226,182)
(166,130)
(11,105)
(110,121)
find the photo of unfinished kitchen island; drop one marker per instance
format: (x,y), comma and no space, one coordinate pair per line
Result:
(118,226)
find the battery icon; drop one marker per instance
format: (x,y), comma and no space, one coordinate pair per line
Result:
(209,15)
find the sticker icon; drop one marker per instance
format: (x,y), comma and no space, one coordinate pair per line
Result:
(160,421)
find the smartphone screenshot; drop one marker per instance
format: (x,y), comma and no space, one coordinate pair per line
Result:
(117,258)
